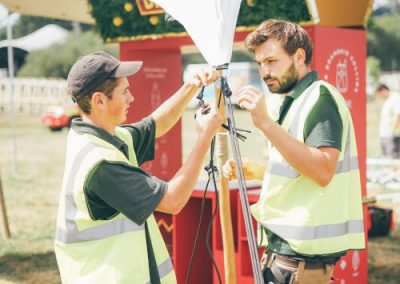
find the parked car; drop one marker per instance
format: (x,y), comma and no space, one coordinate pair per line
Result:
(59,117)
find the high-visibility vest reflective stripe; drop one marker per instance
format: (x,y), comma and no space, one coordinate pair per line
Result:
(313,219)
(102,251)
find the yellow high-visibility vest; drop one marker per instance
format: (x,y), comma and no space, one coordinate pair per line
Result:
(314,220)
(102,251)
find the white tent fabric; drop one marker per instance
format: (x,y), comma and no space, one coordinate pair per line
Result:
(39,39)
(71,10)
(210,23)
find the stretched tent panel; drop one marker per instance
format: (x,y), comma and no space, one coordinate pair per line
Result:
(211,24)
(70,10)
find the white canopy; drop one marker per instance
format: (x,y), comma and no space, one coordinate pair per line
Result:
(39,39)
(71,10)
(210,23)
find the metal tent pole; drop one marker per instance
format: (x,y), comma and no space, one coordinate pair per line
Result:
(258,277)
(10,58)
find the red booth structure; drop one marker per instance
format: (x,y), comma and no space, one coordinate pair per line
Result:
(339,57)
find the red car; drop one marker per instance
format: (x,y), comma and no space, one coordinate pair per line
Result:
(58,117)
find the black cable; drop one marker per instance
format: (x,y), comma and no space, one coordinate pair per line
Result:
(211,173)
(211,169)
(198,232)
(214,213)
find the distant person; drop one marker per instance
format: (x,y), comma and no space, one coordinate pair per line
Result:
(389,126)
(106,231)
(310,208)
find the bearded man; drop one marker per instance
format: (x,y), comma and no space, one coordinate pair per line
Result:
(310,208)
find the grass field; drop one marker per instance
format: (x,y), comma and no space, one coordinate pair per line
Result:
(32,194)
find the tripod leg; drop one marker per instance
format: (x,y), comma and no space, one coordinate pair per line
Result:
(4,220)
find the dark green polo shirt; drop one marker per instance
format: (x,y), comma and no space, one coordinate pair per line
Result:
(323,127)
(113,187)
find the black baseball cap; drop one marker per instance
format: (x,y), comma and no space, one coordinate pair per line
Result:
(89,71)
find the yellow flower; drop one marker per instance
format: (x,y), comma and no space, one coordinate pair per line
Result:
(250,3)
(128,7)
(154,20)
(117,21)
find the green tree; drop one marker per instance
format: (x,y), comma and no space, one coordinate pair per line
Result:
(373,70)
(383,40)
(57,60)
(28,24)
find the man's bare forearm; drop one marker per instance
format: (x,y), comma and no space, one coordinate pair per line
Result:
(182,184)
(167,115)
(318,164)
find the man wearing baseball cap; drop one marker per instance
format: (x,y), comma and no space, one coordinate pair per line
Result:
(106,231)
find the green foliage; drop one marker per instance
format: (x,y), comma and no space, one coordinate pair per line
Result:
(133,24)
(383,40)
(373,68)
(292,10)
(57,60)
(28,24)
(197,58)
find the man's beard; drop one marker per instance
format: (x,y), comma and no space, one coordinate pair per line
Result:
(286,83)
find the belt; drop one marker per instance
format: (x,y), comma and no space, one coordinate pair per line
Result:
(279,265)
(295,263)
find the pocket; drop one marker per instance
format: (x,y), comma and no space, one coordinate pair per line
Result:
(315,276)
